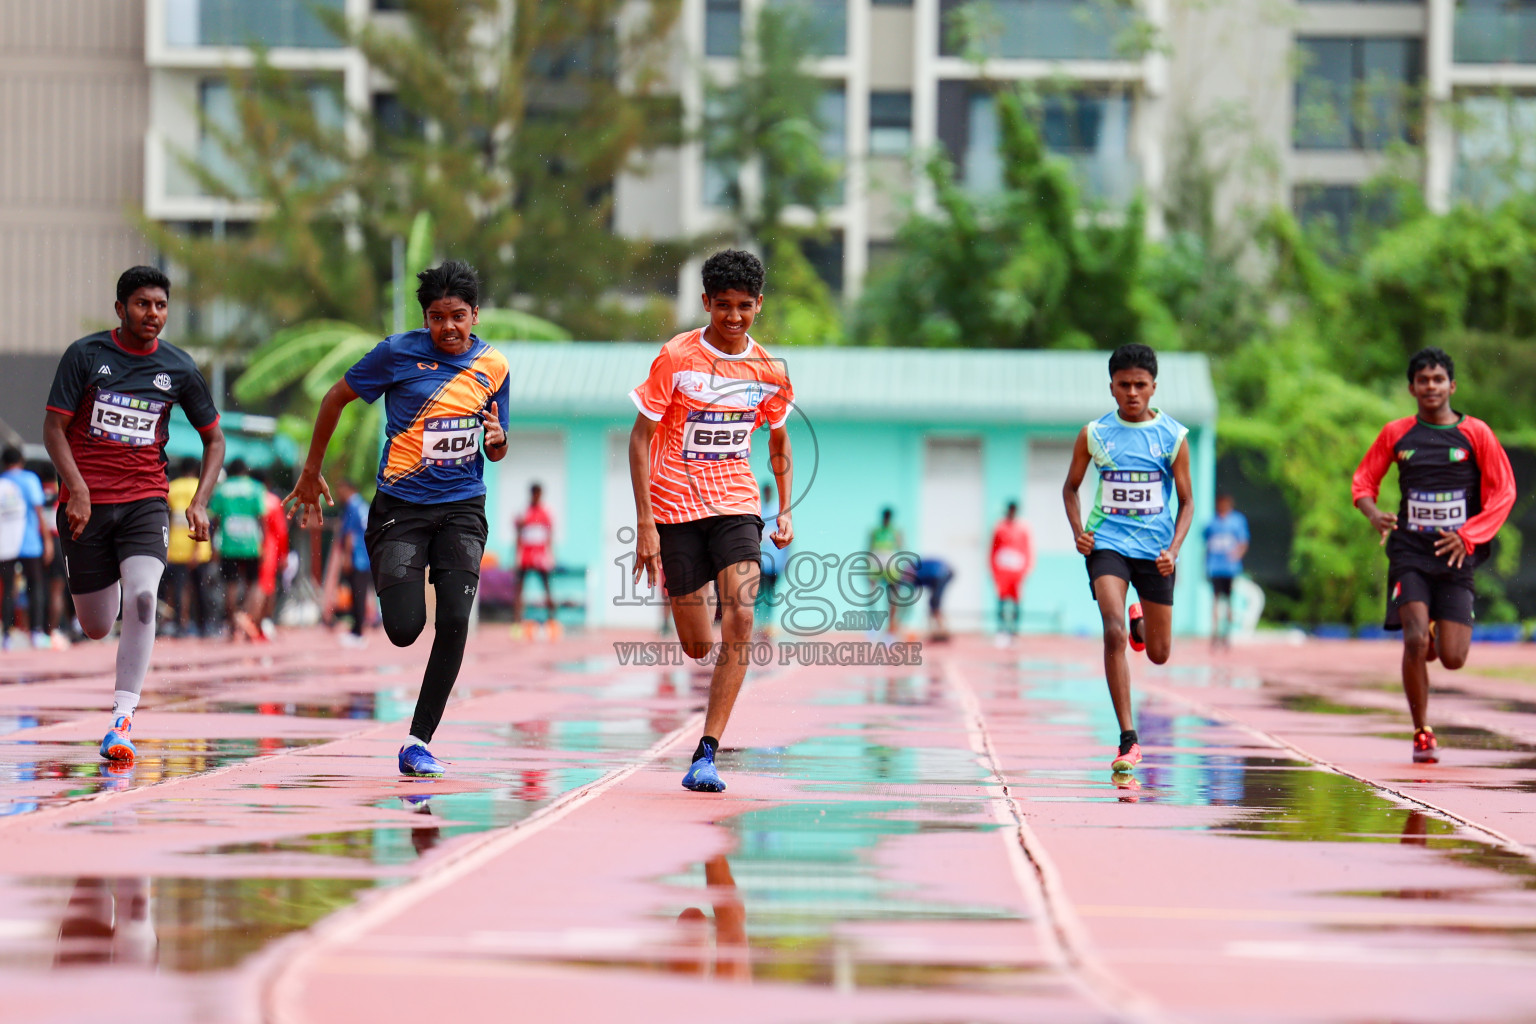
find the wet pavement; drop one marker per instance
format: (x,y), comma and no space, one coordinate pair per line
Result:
(933,844)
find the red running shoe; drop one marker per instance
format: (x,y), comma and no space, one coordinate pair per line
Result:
(1126,759)
(1425,749)
(1138,642)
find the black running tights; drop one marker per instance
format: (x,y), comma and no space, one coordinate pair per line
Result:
(403,608)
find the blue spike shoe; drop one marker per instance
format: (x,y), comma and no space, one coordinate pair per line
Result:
(702,776)
(416,759)
(115,745)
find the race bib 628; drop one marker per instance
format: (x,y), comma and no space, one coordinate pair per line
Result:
(1131,493)
(710,436)
(125,419)
(450,440)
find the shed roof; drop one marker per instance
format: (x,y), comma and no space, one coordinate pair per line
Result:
(876,384)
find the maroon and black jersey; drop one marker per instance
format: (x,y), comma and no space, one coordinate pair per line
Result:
(120,408)
(1453,477)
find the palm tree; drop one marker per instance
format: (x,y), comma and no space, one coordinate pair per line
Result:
(315,353)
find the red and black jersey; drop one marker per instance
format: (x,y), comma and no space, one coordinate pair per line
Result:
(1453,477)
(120,404)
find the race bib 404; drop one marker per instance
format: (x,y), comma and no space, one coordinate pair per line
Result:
(450,440)
(1131,493)
(710,436)
(125,419)
(1429,511)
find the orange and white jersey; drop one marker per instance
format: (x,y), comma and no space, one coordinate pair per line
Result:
(707,404)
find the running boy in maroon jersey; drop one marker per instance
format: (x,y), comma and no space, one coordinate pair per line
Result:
(107,425)
(1458,488)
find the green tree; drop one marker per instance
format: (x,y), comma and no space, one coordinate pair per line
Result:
(508,126)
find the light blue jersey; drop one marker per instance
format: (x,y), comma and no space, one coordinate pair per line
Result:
(1133,509)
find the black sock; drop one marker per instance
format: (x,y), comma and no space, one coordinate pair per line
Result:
(1127,737)
(706,748)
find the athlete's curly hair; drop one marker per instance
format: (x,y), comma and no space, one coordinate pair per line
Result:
(1133,357)
(135,278)
(452,278)
(733,268)
(1424,358)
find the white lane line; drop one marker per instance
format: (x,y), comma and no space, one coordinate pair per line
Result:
(1270,739)
(1065,936)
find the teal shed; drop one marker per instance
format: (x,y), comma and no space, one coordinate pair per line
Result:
(944,437)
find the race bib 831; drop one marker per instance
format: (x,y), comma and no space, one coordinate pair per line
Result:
(1131,493)
(125,419)
(710,436)
(450,440)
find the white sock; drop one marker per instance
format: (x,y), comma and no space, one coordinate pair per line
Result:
(124,702)
(412,741)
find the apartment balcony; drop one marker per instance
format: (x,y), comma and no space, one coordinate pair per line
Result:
(1035,29)
(1495,33)
(271,24)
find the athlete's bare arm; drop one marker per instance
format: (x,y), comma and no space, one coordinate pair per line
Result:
(306,492)
(1075,474)
(647,540)
(78,511)
(780,459)
(213,463)
(1186,492)
(495,437)
(1383,522)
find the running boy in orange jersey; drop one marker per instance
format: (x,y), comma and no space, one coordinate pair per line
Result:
(696,500)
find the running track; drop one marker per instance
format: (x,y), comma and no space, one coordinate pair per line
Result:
(940,844)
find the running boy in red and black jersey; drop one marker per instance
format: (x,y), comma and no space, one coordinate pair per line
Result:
(106,429)
(1457,489)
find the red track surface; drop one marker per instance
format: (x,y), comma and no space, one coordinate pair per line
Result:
(933,844)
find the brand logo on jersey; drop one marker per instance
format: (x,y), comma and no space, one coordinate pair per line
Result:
(1406,454)
(1460,454)
(1155,450)
(163,381)
(485,381)
(426,366)
(105,369)
(694,385)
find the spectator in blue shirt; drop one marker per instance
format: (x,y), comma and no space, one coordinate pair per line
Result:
(1226,541)
(353,552)
(36,549)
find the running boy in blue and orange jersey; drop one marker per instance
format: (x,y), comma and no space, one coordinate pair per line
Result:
(1132,537)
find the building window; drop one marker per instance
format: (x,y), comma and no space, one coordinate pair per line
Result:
(890,123)
(294,23)
(1494,157)
(1032,29)
(394,120)
(722,28)
(1495,32)
(832,112)
(721,169)
(1090,130)
(829,24)
(825,255)
(222,129)
(1357,94)
(1340,211)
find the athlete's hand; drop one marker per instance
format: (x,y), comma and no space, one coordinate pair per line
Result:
(785,534)
(78,511)
(197,521)
(1166,561)
(1384,523)
(647,554)
(306,495)
(1453,547)
(495,437)
(1085,543)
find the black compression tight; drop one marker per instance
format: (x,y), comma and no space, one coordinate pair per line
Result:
(403,608)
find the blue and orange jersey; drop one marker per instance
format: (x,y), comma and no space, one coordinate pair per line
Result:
(432,407)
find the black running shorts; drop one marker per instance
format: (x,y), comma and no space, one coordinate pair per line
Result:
(1221,586)
(113,533)
(1152,587)
(404,539)
(692,554)
(243,570)
(1448,593)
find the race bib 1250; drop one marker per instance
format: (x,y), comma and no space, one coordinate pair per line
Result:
(1429,511)
(125,419)
(1131,493)
(450,440)
(710,436)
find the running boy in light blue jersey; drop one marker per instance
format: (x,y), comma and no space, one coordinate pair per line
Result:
(1132,537)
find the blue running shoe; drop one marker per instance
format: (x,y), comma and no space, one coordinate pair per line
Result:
(115,745)
(416,759)
(702,777)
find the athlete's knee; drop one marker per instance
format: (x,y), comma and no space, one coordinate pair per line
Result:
(141,605)
(455,601)
(697,649)
(1415,642)
(1453,659)
(404,614)
(95,630)
(736,621)
(1159,651)
(1114,635)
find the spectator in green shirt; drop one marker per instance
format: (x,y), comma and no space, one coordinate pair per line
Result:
(238,508)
